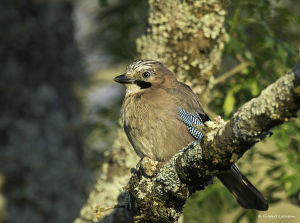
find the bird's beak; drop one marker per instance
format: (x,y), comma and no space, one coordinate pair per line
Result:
(122,79)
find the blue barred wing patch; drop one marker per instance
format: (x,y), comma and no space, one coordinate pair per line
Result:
(191,120)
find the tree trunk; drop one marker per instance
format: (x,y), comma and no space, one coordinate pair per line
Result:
(43,177)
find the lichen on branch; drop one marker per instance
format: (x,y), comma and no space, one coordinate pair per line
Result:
(188,37)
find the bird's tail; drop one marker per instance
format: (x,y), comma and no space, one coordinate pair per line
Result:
(241,188)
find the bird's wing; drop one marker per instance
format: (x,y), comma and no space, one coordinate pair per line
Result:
(183,96)
(191,121)
(189,108)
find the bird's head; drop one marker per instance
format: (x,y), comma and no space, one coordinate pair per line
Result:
(143,75)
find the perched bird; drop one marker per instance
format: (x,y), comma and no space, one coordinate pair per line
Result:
(160,116)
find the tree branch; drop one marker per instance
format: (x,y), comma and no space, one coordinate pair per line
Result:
(159,196)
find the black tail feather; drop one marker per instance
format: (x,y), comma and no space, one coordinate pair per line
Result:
(241,188)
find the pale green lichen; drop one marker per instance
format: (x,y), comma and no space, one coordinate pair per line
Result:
(150,192)
(215,127)
(188,36)
(269,105)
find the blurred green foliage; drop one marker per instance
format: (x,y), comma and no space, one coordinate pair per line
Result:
(267,36)
(122,22)
(288,172)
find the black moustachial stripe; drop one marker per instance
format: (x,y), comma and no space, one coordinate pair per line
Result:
(143,84)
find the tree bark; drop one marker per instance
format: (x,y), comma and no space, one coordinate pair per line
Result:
(188,37)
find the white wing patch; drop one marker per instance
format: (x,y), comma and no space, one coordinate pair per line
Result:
(191,120)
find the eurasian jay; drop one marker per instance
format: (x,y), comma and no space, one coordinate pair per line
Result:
(160,115)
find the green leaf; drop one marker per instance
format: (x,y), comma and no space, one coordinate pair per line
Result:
(229,103)
(254,88)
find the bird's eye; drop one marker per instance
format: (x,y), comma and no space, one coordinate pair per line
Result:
(146,74)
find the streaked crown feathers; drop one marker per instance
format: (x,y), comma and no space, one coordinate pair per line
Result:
(140,65)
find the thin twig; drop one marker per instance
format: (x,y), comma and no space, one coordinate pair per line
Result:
(231,72)
(138,218)
(99,210)
(113,207)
